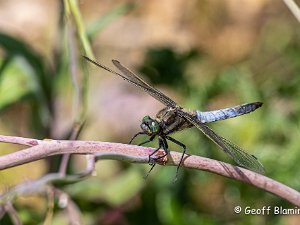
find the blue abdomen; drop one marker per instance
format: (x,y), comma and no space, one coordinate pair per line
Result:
(222,114)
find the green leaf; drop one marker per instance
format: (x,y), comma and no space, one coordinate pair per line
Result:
(16,82)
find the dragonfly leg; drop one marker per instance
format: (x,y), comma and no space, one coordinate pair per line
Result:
(161,144)
(183,153)
(152,166)
(145,142)
(139,133)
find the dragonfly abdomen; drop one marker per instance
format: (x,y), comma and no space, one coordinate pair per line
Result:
(222,114)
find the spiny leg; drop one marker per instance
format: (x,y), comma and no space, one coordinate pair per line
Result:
(162,144)
(165,148)
(152,166)
(145,142)
(139,133)
(182,156)
(153,163)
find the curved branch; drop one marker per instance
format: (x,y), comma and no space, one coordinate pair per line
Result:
(138,154)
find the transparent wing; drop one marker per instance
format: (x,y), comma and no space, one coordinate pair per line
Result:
(139,82)
(235,152)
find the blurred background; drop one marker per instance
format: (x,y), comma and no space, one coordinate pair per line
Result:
(204,54)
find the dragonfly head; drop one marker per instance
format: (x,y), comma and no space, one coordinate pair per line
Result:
(150,126)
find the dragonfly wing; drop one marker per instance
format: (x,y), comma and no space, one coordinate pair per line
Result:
(137,81)
(142,84)
(235,152)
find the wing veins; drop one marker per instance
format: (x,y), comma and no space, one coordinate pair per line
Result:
(137,81)
(235,152)
(140,82)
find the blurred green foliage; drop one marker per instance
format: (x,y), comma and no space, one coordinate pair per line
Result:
(25,75)
(164,66)
(270,75)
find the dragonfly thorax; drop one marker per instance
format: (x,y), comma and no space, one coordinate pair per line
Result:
(150,126)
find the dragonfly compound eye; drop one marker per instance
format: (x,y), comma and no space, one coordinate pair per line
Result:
(150,126)
(154,126)
(146,128)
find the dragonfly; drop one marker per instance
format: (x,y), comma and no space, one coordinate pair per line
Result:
(173,118)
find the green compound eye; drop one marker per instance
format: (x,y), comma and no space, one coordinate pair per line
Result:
(146,119)
(150,126)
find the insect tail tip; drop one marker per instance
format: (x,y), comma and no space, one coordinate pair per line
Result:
(259,104)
